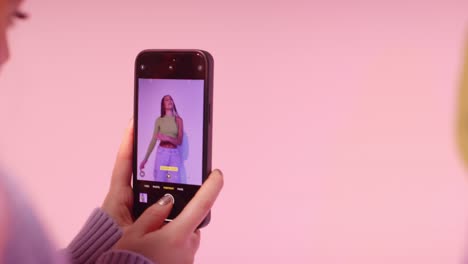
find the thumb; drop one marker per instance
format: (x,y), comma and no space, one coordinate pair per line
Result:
(153,217)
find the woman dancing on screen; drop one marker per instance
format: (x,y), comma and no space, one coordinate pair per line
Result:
(168,129)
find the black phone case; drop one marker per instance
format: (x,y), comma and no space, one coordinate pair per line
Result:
(208,126)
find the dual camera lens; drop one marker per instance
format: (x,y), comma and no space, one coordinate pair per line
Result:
(172,65)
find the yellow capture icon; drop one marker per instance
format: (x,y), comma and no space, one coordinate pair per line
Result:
(168,168)
(462,118)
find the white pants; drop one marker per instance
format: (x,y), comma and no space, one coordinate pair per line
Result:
(167,165)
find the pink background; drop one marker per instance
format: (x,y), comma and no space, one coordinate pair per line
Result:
(334,121)
(188,99)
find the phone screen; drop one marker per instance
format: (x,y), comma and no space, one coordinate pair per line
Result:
(169,162)
(171,135)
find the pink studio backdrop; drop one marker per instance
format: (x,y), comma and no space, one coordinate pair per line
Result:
(334,121)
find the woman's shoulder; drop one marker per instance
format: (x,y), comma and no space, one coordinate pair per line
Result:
(22,222)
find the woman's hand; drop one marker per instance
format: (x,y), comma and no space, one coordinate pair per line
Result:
(169,139)
(178,241)
(175,242)
(142,164)
(119,200)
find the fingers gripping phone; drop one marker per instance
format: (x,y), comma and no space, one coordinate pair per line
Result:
(173,102)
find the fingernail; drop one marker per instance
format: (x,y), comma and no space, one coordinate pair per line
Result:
(220,172)
(166,199)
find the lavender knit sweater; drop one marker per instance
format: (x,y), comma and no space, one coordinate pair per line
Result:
(27,242)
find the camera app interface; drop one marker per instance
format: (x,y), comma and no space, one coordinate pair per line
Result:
(170,132)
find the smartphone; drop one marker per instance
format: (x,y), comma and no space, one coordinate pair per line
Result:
(173,106)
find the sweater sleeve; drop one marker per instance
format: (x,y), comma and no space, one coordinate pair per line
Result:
(27,243)
(97,236)
(123,256)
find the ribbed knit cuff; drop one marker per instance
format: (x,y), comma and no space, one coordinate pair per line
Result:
(97,236)
(123,256)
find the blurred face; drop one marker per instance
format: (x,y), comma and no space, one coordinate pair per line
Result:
(8,9)
(3,54)
(168,103)
(7,12)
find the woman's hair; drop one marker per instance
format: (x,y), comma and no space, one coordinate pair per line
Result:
(163,109)
(462,116)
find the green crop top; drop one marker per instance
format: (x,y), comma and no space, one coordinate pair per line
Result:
(166,125)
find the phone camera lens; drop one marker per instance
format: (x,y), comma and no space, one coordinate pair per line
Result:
(171,67)
(200,68)
(142,67)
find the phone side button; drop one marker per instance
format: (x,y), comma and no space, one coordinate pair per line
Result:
(210,112)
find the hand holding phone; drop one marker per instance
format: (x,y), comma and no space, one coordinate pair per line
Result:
(176,242)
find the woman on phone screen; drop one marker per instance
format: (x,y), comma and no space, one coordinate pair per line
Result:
(168,129)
